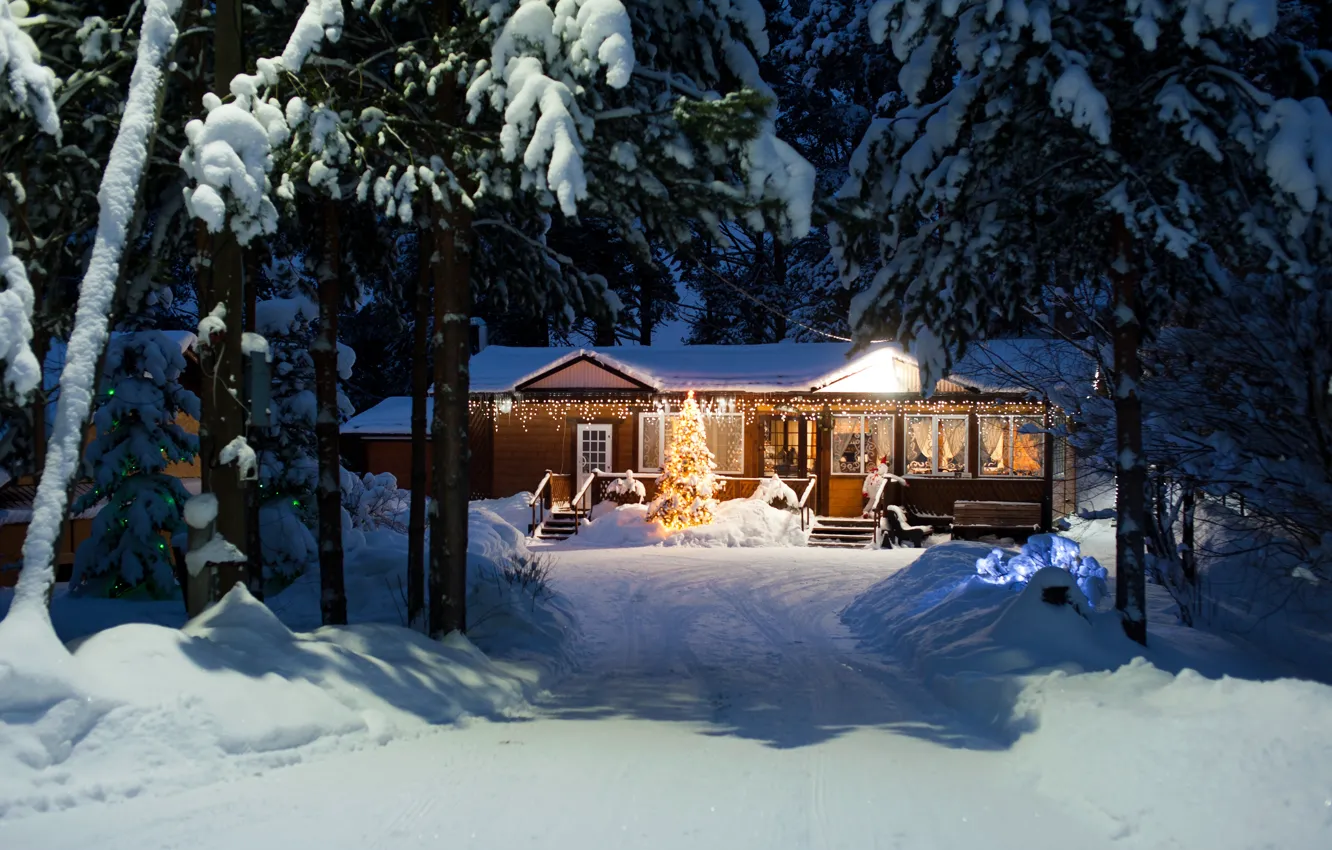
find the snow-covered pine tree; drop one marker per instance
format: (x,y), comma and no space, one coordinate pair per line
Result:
(1126,141)
(137,439)
(28,93)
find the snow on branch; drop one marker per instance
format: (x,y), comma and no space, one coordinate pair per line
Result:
(28,88)
(21,370)
(229,154)
(535,62)
(117,198)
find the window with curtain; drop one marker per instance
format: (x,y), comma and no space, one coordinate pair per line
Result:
(789,447)
(936,445)
(724,433)
(1012,446)
(859,442)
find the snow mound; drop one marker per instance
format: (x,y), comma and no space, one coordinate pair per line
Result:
(736,522)
(947,620)
(233,692)
(1044,551)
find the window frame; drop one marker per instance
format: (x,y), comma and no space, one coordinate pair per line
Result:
(935,472)
(864,429)
(1012,434)
(661,440)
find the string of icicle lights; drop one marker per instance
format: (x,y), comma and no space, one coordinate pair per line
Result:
(507,411)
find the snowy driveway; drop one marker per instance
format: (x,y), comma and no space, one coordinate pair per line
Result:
(717,702)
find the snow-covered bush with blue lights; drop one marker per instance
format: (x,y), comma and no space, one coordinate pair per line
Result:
(1041,551)
(137,439)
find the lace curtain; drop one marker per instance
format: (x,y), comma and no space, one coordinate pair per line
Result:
(994,431)
(919,445)
(952,445)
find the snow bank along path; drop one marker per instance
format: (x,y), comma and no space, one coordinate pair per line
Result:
(719,702)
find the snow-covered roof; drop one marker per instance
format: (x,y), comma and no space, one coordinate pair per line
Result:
(1006,366)
(391,416)
(778,367)
(1040,366)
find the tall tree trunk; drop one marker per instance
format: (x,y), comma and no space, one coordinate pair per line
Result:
(223,412)
(328,493)
(780,329)
(416,521)
(254,544)
(448,514)
(647,298)
(1130,465)
(451,270)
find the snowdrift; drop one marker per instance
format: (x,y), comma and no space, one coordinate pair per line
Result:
(736,522)
(236,690)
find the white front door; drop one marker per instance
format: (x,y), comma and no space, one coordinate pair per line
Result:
(593,452)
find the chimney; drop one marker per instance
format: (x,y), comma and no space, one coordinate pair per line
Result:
(478,334)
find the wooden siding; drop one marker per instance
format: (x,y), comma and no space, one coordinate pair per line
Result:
(11,548)
(190,469)
(936,495)
(481,442)
(844,498)
(582,375)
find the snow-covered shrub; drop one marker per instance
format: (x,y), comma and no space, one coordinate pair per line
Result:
(137,438)
(1041,551)
(776,492)
(373,500)
(627,490)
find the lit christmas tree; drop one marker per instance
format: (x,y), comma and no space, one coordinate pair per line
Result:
(688,480)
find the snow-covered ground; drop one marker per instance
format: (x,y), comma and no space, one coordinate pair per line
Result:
(758,698)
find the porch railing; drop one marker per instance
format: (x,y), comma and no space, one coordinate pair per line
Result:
(876,508)
(537,503)
(804,508)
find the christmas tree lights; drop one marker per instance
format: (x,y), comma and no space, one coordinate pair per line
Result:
(688,480)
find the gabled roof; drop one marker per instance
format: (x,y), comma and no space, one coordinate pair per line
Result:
(779,367)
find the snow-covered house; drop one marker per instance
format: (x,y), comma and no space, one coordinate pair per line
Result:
(799,411)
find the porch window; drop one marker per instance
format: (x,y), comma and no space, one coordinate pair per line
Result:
(936,445)
(859,442)
(789,447)
(1011,446)
(724,433)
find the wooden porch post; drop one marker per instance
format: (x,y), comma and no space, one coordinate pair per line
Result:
(1047,465)
(822,446)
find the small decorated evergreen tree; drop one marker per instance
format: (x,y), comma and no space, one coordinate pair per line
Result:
(137,439)
(688,481)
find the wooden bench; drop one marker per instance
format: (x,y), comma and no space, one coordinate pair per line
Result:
(1018,520)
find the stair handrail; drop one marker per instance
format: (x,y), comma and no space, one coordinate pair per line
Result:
(803,505)
(578,497)
(876,507)
(537,499)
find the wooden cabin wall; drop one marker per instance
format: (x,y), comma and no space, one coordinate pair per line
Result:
(844,496)
(936,495)
(523,455)
(481,442)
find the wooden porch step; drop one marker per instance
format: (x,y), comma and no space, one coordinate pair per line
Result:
(842,533)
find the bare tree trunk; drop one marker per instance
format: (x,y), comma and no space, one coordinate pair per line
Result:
(448,526)
(416,522)
(1130,465)
(332,593)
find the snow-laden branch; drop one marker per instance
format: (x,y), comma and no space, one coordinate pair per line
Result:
(22,373)
(229,154)
(78,380)
(28,87)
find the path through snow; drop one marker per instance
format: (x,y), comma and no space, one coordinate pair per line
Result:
(718,703)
